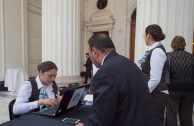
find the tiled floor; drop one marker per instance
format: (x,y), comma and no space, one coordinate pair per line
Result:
(5,98)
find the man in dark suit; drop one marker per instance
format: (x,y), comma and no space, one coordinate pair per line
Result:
(121,96)
(88,66)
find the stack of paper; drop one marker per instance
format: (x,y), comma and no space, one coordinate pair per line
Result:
(88,99)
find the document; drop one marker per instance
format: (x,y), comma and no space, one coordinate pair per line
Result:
(88,99)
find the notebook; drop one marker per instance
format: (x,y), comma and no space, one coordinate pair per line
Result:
(71,98)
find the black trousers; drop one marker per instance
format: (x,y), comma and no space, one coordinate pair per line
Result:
(87,75)
(160,100)
(181,104)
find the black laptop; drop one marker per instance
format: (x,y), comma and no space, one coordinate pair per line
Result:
(71,98)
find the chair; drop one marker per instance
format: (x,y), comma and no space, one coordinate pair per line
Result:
(73,85)
(62,90)
(11,114)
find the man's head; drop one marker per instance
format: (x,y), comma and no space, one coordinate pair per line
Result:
(99,46)
(87,55)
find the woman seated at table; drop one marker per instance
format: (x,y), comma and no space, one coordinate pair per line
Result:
(38,93)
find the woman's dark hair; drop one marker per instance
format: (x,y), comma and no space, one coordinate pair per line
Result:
(156,32)
(46,66)
(101,41)
(178,42)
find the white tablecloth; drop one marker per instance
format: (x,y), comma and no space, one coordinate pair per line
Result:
(14,77)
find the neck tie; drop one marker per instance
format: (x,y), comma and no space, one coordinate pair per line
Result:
(142,59)
(42,95)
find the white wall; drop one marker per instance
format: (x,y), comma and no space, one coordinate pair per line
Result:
(120,29)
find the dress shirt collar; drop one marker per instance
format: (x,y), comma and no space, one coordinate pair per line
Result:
(39,83)
(155,45)
(103,60)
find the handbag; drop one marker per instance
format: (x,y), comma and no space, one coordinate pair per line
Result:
(167,77)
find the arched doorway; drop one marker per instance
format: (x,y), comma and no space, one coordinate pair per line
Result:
(132,35)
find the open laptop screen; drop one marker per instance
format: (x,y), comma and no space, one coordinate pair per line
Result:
(75,97)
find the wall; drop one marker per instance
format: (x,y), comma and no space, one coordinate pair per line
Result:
(115,18)
(34,26)
(83,42)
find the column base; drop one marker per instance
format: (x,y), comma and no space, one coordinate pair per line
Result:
(64,81)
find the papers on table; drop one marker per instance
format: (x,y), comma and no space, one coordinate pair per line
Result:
(88,99)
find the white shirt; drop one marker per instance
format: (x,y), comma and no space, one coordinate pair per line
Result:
(22,104)
(157,61)
(94,69)
(102,62)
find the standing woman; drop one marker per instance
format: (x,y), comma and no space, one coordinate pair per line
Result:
(154,66)
(39,92)
(181,88)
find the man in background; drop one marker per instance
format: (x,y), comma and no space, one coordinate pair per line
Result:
(88,66)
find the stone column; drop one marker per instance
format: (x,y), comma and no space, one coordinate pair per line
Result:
(2,41)
(174,16)
(60,38)
(13,38)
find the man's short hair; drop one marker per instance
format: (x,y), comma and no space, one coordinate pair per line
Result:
(101,41)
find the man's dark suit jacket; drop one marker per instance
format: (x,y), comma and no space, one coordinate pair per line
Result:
(121,96)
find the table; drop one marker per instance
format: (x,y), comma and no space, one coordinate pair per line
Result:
(82,112)
(14,77)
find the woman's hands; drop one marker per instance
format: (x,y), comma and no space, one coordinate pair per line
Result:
(48,101)
(59,97)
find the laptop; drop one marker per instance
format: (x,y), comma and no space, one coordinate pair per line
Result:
(71,98)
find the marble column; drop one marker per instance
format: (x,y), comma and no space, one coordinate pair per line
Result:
(13,37)
(2,42)
(60,38)
(174,16)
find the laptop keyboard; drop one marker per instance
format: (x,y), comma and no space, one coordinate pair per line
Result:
(50,111)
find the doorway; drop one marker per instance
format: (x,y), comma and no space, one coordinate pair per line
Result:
(132,36)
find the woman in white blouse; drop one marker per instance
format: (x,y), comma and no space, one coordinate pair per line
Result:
(154,66)
(28,98)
